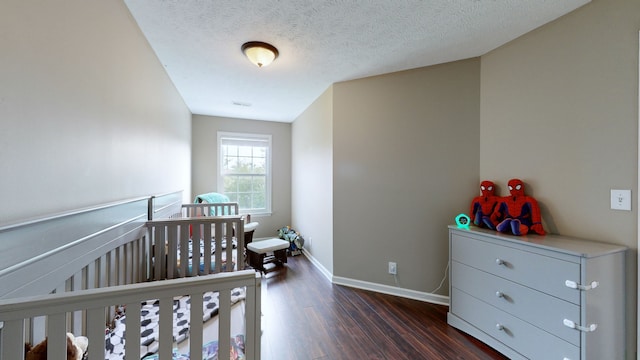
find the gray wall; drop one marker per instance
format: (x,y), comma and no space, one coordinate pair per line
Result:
(405,163)
(205,163)
(312,179)
(560,111)
(88,114)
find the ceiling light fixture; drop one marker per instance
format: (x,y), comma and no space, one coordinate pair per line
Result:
(259,53)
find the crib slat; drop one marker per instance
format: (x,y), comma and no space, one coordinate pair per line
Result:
(184,254)
(132,338)
(95,330)
(102,272)
(196,338)
(241,245)
(126,263)
(133,268)
(76,316)
(224,321)
(253,320)
(229,250)
(159,253)
(162,272)
(91,274)
(136,264)
(138,260)
(218,255)
(121,264)
(12,339)
(147,254)
(113,267)
(172,251)
(195,253)
(141,259)
(56,336)
(207,250)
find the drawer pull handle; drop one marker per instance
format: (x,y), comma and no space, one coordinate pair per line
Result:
(573,325)
(575,285)
(499,261)
(500,327)
(500,294)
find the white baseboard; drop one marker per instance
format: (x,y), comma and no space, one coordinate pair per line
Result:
(393,290)
(318,265)
(380,288)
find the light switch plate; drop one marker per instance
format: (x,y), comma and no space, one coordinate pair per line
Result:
(621,199)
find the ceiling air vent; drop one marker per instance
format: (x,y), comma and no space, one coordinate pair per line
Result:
(239,103)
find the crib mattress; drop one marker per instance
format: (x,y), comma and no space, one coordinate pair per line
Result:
(213,250)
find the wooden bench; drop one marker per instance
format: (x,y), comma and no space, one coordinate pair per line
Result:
(259,253)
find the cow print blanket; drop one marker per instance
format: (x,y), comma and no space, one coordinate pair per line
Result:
(149,330)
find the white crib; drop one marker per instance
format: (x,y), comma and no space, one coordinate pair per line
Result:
(55,310)
(81,265)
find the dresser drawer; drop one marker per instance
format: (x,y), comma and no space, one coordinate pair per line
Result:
(531,269)
(537,308)
(530,341)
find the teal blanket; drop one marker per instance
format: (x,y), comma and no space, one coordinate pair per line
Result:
(212,198)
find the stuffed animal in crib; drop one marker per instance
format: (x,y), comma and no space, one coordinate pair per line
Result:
(482,206)
(76,349)
(517,213)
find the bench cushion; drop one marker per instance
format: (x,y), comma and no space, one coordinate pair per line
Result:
(251,226)
(265,246)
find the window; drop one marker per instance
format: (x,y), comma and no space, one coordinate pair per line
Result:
(244,170)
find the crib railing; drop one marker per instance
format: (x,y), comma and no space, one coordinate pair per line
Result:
(205,209)
(167,236)
(126,264)
(171,206)
(93,304)
(101,249)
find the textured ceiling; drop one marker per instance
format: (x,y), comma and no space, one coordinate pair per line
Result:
(320,43)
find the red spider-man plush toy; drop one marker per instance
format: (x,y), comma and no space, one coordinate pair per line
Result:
(517,213)
(482,206)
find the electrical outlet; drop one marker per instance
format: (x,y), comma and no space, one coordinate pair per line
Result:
(393,268)
(620,199)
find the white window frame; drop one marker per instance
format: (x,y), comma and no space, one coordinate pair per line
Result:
(248,137)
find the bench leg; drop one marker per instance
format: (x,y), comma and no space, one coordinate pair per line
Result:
(256,260)
(281,255)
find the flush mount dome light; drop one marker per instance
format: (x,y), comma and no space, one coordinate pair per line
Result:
(259,53)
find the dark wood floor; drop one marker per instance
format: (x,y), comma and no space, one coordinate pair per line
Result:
(307,317)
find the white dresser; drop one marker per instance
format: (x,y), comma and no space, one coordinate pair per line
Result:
(538,297)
